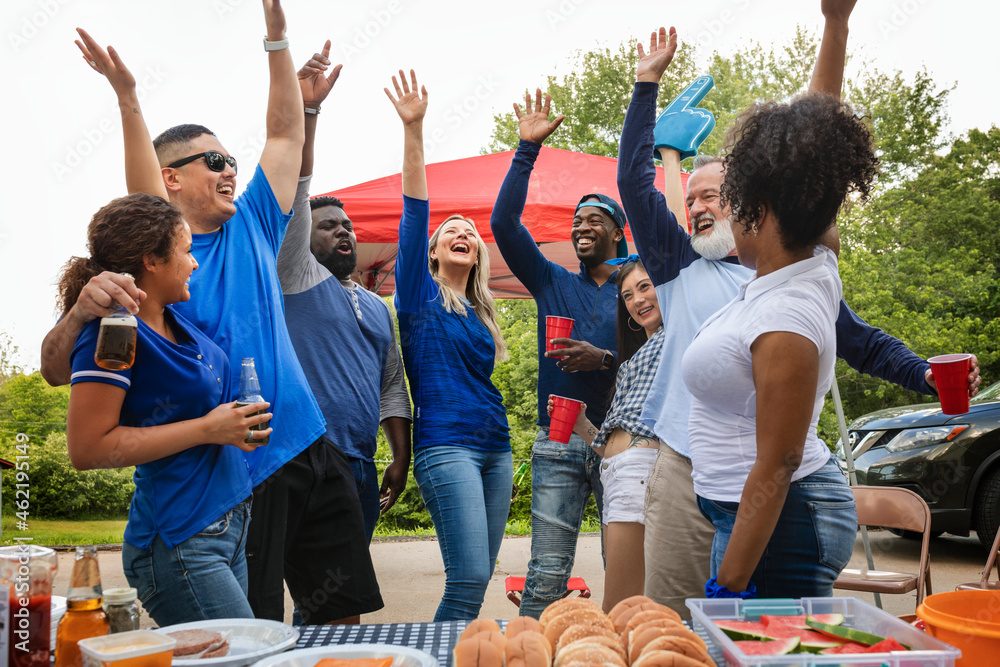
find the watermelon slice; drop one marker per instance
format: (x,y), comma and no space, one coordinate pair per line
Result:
(889,644)
(799,621)
(743,630)
(846,634)
(774,647)
(850,647)
(810,641)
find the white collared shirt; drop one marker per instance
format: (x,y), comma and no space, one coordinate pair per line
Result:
(802,298)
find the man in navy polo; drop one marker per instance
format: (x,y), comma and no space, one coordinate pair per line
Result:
(563,476)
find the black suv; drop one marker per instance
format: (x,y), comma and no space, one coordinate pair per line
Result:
(952,462)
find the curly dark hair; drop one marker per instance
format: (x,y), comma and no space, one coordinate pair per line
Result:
(800,160)
(325,200)
(120,236)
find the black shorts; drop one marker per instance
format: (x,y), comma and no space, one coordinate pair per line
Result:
(307,528)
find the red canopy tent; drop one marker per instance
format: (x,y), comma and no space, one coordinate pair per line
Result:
(469,186)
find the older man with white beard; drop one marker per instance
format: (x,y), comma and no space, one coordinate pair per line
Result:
(694,277)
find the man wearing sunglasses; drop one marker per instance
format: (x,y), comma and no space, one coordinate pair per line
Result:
(563,476)
(302,486)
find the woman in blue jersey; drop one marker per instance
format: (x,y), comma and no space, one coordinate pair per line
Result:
(171,416)
(450,341)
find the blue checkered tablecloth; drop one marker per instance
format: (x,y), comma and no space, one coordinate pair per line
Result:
(437,639)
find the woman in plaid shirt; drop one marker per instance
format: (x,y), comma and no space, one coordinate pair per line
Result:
(628,446)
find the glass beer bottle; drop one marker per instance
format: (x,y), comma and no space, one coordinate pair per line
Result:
(250,393)
(116,339)
(84,615)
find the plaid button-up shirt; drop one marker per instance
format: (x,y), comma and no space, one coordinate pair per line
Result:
(635,377)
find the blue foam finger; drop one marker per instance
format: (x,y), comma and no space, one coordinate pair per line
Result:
(682,126)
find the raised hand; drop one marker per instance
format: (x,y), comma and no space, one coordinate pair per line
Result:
(534,125)
(315,86)
(410,105)
(107,63)
(274,19)
(837,10)
(682,126)
(652,65)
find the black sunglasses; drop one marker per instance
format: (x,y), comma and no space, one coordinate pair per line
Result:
(215,160)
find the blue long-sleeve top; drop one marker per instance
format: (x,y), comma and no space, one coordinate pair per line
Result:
(691,288)
(556,292)
(448,357)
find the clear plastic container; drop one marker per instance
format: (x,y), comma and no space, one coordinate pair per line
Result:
(925,650)
(139,648)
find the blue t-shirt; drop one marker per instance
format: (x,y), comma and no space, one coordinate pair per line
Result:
(176,496)
(236,300)
(556,292)
(448,357)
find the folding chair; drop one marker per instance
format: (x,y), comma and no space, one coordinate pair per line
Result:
(891,507)
(985,582)
(515,587)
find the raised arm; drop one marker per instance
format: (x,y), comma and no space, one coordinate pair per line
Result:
(828,75)
(315,86)
(282,155)
(513,239)
(411,106)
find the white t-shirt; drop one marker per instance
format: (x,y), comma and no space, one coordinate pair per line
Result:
(802,298)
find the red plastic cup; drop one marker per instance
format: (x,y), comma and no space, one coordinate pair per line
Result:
(557,327)
(951,375)
(563,417)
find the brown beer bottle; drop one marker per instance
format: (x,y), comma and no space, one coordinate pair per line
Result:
(250,393)
(116,339)
(85,615)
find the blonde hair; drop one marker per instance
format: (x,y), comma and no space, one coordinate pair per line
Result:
(477,292)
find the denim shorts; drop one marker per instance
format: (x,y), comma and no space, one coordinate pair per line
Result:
(625,477)
(812,542)
(204,577)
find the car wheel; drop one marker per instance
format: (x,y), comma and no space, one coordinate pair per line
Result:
(988,509)
(913,535)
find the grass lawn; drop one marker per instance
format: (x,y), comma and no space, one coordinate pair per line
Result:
(49,532)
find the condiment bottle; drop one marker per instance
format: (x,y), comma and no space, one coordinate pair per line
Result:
(116,339)
(122,608)
(84,616)
(250,393)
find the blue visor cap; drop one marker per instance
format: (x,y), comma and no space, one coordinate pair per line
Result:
(613,209)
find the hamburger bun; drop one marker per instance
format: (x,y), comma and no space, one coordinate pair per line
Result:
(528,649)
(682,645)
(624,616)
(589,642)
(646,616)
(666,659)
(478,625)
(627,603)
(643,635)
(596,656)
(559,606)
(559,624)
(520,624)
(577,632)
(476,652)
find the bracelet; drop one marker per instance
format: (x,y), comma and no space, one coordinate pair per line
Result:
(310,111)
(713,589)
(279,45)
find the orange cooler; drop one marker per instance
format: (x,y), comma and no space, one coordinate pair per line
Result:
(969,621)
(139,648)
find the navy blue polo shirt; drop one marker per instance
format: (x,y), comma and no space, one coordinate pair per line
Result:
(556,292)
(176,496)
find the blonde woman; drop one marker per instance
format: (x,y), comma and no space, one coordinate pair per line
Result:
(450,340)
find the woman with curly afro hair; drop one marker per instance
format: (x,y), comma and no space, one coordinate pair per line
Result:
(784,515)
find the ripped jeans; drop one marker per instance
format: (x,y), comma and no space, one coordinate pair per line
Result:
(562,478)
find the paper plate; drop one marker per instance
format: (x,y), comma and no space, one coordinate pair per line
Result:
(250,640)
(402,656)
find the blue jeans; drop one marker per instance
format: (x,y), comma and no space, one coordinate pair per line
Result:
(204,577)
(562,478)
(812,542)
(366,476)
(467,492)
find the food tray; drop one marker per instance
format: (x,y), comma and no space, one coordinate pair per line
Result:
(927,651)
(250,640)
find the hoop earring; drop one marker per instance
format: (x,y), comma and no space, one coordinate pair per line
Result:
(630,321)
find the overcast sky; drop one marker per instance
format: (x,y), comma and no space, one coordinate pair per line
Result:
(202,61)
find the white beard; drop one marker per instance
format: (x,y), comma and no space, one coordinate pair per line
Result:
(716,245)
